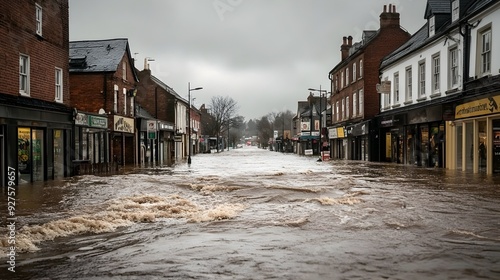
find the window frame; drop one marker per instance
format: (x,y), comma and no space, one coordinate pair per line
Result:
(24,76)
(482,53)
(432,26)
(455,10)
(361,101)
(453,67)
(408,84)
(360,68)
(354,104)
(354,72)
(124,70)
(395,88)
(38,19)
(124,101)
(436,73)
(58,85)
(115,99)
(347,76)
(421,78)
(347,113)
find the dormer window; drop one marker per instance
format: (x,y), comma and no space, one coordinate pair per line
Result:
(432,26)
(454,10)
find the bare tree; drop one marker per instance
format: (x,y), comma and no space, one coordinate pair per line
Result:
(222,110)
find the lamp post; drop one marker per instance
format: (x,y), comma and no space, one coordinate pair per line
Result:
(189,125)
(321,92)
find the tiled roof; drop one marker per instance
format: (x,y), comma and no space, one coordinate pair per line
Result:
(96,56)
(167,88)
(478,5)
(416,41)
(437,7)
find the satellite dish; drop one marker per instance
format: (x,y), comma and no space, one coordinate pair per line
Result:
(102,112)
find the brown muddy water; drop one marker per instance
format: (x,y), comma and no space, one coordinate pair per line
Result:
(255,214)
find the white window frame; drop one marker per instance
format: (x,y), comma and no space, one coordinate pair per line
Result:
(432,26)
(343,108)
(484,48)
(455,8)
(436,73)
(58,85)
(360,68)
(39,19)
(421,78)
(342,80)
(132,100)
(337,111)
(361,102)
(124,101)
(347,113)
(453,67)
(396,88)
(115,99)
(354,72)
(124,70)
(347,76)
(408,84)
(354,104)
(24,75)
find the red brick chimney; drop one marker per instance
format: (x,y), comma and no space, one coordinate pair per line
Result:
(389,17)
(344,48)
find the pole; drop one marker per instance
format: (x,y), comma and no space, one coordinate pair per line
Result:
(189,125)
(320,144)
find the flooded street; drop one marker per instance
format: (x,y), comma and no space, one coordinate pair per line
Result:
(255,214)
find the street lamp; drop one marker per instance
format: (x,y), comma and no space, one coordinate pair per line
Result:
(189,114)
(320,143)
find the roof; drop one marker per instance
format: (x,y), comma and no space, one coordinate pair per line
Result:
(167,88)
(415,42)
(368,35)
(98,55)
(437,7)
(479,5)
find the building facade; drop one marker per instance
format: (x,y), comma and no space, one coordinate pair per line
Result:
(103,88)
(35,117)
(354,99)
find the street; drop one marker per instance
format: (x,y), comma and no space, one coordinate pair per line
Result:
(250,213)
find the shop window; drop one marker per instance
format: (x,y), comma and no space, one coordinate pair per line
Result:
(58,153)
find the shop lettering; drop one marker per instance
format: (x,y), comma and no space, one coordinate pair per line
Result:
(122,125)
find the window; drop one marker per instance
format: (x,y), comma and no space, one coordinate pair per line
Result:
(347,107)
(361,68)
(124,101)
(342,80)
(347,76)
(408,84)
(421,79)
(59,82)
(485,48)
(24,75)
(38,16)
(432,26)
(455,10)
(361,102)
(385,98)
(436,71)
(115,100)
(132,106)
(396,88)
(453,67)
(337,111)
(354,104)
(353,72)
(124,70)
(343,108)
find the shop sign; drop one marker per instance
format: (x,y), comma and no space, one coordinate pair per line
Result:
(166,126)
(99,122)
(81,119)
(479,107)
(305,126)
(340,132)
(123,124)
(333,133)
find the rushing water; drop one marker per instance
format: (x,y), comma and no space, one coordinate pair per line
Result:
(255,214)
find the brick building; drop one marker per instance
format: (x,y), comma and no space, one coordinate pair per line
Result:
(35,119)
(354,98)
(103,88)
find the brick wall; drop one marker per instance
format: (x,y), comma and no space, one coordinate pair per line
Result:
(46,52)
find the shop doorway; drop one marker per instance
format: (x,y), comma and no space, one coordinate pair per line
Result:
(31,157)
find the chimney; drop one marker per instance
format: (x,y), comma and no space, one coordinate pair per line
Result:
(344,48)
(349,41)
(389,17)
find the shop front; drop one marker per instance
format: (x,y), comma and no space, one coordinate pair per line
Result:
(476,136)
(358,141)
(413,138)
(122,140)
(338,142)
(34,140)
(91,144)
(167,144)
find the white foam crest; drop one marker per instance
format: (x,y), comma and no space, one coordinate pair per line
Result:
(119,213)
(335,201)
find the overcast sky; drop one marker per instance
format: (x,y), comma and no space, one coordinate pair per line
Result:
(264,54)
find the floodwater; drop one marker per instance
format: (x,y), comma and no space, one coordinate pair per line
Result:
(255,214)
